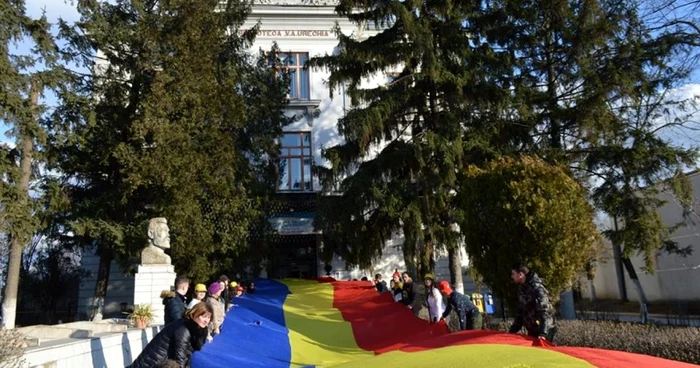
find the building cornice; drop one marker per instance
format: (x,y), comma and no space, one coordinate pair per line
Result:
(297,2)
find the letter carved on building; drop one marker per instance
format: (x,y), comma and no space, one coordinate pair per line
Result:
(298,2)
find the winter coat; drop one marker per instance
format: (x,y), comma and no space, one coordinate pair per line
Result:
(398,292)
(535,311)
(436,307)
(225,297)
(462,305)
(176,341)
(174,305)
(381,286)
(217,318)
(408,294)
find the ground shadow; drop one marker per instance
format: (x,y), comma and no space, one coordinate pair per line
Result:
(97,353)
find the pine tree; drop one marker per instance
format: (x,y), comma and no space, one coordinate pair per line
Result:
(416,123)
(176,120)
(24,78)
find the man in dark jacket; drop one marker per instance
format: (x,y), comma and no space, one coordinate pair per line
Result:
(174,302)
(535,311)
(469,315)
(379,284)
(408,293)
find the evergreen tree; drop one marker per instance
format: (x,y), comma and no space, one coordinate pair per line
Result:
(591,81)
(175,120)
(24,78)
(580,83)
(416,123)
(589,88)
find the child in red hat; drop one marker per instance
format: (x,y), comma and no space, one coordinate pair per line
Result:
(397,287)
(468,313)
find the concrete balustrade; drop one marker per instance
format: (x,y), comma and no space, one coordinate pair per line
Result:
(104,344)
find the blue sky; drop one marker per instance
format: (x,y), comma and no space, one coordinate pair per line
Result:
(56,9)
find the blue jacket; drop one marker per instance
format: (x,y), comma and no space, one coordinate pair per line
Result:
(461,303)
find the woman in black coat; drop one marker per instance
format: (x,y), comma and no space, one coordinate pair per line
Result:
(178,340)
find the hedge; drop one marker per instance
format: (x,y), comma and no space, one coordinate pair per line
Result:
(669,342)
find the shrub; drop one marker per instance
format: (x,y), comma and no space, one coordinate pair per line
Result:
(526,210)
(12,346)
(669,342)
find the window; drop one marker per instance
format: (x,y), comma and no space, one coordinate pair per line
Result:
(391,77)
(298,74)
(294,165)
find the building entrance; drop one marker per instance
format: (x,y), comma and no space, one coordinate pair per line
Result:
(295,256)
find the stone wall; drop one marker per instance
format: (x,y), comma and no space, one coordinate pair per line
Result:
(98,350)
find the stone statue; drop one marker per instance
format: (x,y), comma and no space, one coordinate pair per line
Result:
(158,239)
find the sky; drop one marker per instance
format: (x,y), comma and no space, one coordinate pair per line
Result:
(65,9)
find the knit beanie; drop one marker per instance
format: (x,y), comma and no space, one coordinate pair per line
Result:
(215,287)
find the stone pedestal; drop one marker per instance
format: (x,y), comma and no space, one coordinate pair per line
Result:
(149,282)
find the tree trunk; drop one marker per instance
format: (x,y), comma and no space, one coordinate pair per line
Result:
(409,258)
(554,124)
(633,276)
(456,269)
(26,144)
(591,285)
(425,261)
(619,267)
(101,285)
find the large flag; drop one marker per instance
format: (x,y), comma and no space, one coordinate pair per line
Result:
(301,323)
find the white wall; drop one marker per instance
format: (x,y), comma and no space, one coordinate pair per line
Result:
(674,277)
(107,351)
(277,22)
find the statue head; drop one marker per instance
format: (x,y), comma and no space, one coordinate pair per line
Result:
(158,232)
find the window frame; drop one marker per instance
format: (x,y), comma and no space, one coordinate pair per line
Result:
(298,68)
(289,156)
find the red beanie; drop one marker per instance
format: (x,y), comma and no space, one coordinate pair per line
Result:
(444,287)
(396,273)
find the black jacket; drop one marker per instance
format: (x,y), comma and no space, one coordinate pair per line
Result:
(408,294)
(535,311)
(226,297)
(176,341)
(381,286)
(174,305)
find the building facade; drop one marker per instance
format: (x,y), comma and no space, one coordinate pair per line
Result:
(302,29)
